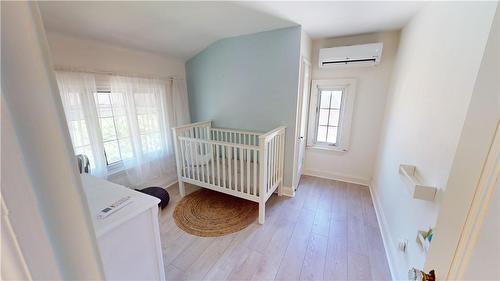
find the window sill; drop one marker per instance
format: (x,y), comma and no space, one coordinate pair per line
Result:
(115,168)
(328,148)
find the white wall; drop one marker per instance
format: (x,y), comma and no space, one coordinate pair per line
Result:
(438,60)
(240,82)
(372,84)
(40,184)
(68,51)
(305,45)
(483,116)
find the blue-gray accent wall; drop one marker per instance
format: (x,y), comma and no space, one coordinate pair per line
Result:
(249,82)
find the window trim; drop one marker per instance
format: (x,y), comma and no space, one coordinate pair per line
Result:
(346,113)
(118,165)
(318,111)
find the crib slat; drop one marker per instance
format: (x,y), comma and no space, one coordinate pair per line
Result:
(192,152)
(241,171)
(199,153)
(280,169)
(278,151)
(183,172)
(186,158)
(197,161)
(188,162)
(272,163)
(217,160)
(212,163)
(229,164)
(201,167)
(275,157)
(235,163)
(276,171)
(267,167)
(248,171)
(276,166)
(278,146)
(191,160)
(255,183)
(270,174)
(207,164)
(223,148)
(183,158)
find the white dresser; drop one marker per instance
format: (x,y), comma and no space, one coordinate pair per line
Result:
(129,239)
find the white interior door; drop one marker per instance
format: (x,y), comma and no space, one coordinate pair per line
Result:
(304,105)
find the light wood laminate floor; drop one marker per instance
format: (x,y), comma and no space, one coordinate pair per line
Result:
(328,231)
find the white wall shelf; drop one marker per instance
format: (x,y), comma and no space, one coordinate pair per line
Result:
(416,189)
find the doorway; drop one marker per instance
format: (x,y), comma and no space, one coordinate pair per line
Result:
(302,114)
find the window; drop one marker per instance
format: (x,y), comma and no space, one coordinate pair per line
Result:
(116,120)
(330,113)
(114,127)
(120,123)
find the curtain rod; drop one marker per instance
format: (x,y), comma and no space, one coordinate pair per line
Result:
(114,73)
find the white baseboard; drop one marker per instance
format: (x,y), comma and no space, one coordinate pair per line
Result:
(333,176)
(170,184)
(384,231)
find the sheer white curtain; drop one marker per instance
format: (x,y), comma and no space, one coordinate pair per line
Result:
(149,140)
(124,127)
(77,95)
(180,102)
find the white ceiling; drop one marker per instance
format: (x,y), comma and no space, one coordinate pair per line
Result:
(324,19)
(182,29)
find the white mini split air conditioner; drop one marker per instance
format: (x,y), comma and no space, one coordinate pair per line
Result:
(356,55)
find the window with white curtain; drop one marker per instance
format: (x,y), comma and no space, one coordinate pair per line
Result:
(114,127)
(121,123)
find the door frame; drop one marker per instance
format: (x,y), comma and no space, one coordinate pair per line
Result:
(300,99)
(478,209)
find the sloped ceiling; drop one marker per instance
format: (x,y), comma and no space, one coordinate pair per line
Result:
(182,29)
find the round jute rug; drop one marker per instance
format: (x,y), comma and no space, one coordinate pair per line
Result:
(209,213)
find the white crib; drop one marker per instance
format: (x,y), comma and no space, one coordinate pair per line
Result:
(248,165)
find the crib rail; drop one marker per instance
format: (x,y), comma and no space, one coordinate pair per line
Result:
(272,146)
(222,166)
(235,136)
(198,130)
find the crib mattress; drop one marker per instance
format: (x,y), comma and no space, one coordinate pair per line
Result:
(245,179)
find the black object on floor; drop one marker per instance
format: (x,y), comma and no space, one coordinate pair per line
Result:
(159,193)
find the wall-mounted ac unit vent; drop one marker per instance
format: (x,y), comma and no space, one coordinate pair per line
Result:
(360,55)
